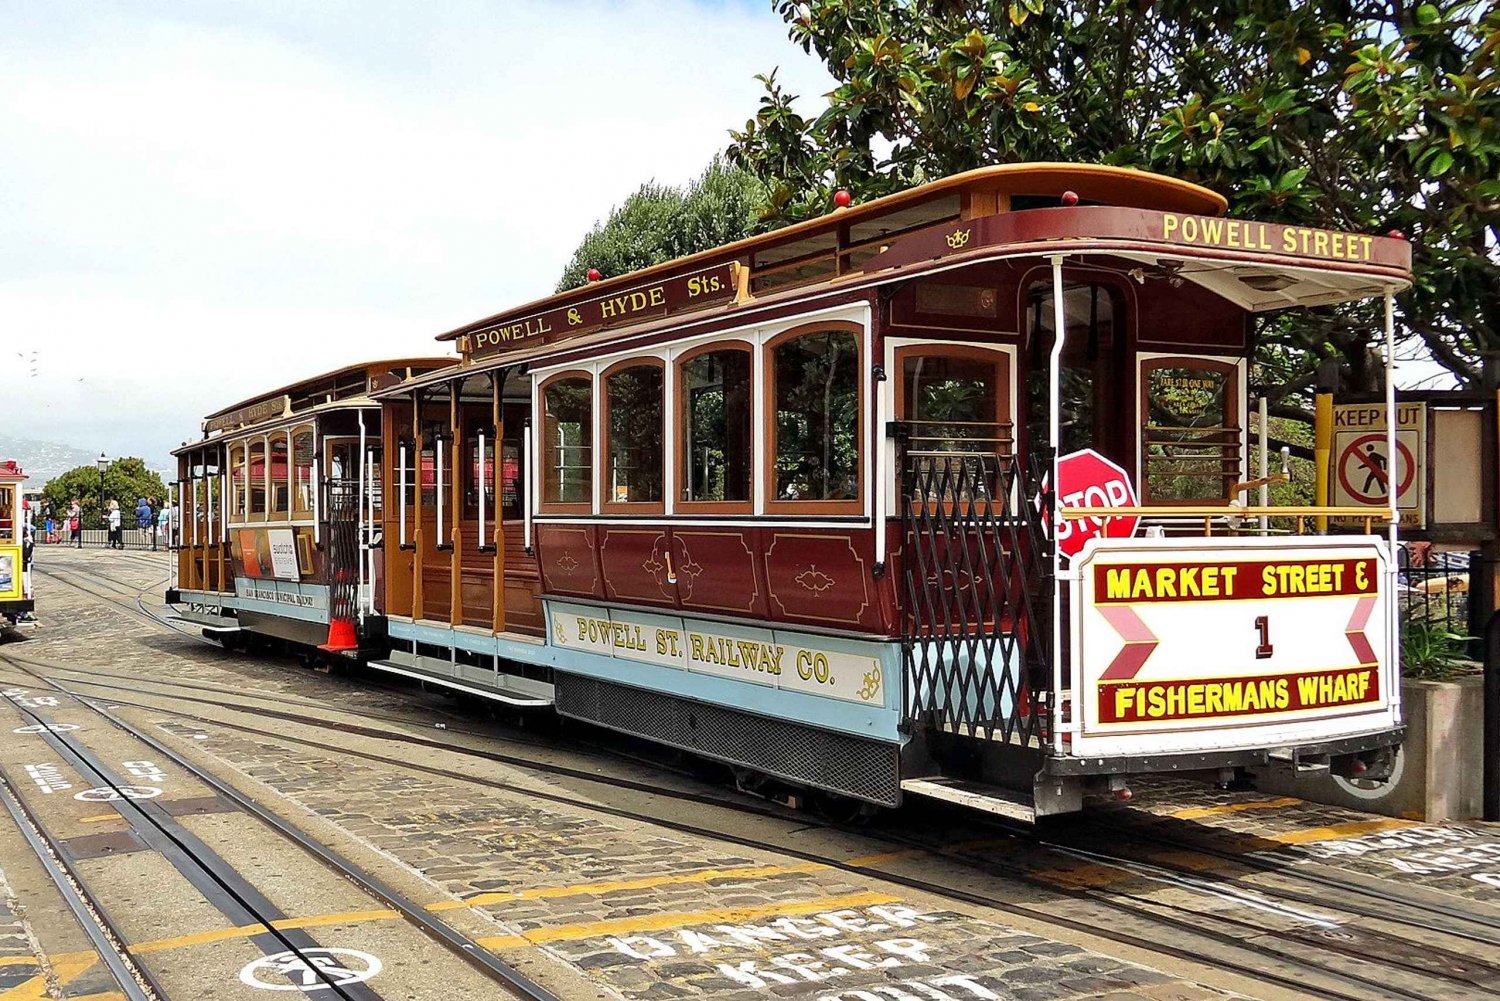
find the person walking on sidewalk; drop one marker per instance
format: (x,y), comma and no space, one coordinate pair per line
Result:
(144,521)
(75,524)
(116,529)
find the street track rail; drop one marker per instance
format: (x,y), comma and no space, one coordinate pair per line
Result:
(1400,956)
(187,853)
(1296,968)
(103,936)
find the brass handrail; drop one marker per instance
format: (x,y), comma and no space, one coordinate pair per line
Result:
(1208,514)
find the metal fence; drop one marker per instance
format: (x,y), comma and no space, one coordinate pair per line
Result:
(1436,590)
(98,538)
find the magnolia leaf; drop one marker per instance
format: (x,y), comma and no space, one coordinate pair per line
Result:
(1017,14)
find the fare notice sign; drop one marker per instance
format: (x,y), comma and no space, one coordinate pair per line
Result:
(1362,470)
(1269,638)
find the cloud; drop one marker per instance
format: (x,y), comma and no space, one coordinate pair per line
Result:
(204,202)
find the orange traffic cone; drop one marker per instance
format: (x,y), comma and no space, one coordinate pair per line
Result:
(340,636)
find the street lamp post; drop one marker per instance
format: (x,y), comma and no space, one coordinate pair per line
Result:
(103,463)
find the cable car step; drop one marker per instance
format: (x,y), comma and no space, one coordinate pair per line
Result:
(208,620)
(540,696)
(975,796)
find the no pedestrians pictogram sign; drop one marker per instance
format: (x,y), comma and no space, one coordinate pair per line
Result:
(1362,468)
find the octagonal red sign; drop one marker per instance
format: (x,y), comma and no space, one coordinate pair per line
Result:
(1088,479)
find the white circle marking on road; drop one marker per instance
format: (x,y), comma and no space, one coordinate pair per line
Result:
(46,728)
(104,794)
(290,971)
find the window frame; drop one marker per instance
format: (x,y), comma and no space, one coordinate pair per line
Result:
(283,437)
(601,396)
(999,359)
(293,433)
(1233,369)
(773,504)
(252,444)
(545,506)
(679,430)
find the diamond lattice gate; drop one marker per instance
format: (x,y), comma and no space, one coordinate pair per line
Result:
(977,589)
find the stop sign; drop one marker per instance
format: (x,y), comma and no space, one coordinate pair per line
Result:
(1088,479)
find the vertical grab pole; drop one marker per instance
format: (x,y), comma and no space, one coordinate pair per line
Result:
(528,475)
(1054,435)
(437,455)
(401,491)
(482,484)
(359,501)
(1394,633)
(1265,441)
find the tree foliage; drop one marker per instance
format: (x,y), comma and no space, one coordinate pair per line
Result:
(125,480)
(1366,117)
(659,222)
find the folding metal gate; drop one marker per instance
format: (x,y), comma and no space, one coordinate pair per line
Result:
(343,557)
(977,588)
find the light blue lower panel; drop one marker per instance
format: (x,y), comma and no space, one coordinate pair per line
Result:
(787,665)
(288,599)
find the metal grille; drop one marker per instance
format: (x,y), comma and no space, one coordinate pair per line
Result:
(865,769)
(343,549)
(977,580)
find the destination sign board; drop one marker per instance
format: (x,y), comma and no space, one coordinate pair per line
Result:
(699,288)
(253,414)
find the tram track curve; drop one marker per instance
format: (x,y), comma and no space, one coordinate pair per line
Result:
(1459,972)
(1141,908)
(202,867)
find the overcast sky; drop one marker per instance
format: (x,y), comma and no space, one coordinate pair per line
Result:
(200,201)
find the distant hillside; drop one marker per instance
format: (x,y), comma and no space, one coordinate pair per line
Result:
(42,460)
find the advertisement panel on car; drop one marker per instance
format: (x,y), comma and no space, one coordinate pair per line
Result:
(1247,642)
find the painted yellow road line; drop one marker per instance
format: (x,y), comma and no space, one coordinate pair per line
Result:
(34,989)
(68,967)
(662,922)
(106,996)
(617,885)
(883,857)
(99,818)
(1087,876)
(242,931)
(1335,832)
(18,961)
(1213,811)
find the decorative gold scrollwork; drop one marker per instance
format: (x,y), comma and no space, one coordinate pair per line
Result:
(957,239)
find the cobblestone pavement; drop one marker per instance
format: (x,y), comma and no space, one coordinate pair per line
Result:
(644,912)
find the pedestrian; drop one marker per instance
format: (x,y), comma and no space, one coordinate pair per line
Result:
(143,519)
(116,529)
(75,523)
(51,526)
(164,525)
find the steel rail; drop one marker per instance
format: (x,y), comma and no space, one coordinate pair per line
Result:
(438,930)
(1258,972)
(135,982)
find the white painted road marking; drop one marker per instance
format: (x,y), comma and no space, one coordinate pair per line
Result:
(46,728)
(289,971)
(48,777)
(107,795)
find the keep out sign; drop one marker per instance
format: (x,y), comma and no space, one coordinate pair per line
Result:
(1088,479)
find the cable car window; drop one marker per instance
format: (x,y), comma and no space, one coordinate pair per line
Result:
(429,478)
(715,432)
(281,491)
(633,432)
(815,396)
(1190,440)
(511,498)
(1092,369)
(238,506)
(303,457)
(568,453)
(479,470)
(257,477)
(953,403)
(7,515)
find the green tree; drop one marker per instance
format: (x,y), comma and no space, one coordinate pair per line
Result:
(659,222)
(1364,117)
(125,480)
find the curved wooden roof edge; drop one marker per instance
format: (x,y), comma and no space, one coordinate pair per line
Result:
(1123,186)
(438,361)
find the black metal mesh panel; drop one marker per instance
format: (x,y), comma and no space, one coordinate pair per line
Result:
(343,548)
(866,769)
(977,579)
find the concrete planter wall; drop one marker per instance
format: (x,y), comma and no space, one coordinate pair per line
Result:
(1439,772)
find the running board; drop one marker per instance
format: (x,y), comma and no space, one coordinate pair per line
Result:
(974,796)
(215,623)
(509,697)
